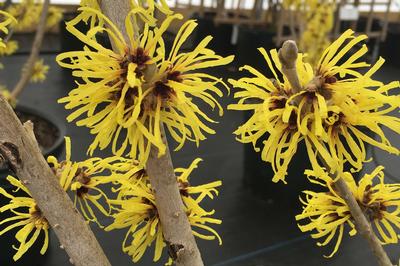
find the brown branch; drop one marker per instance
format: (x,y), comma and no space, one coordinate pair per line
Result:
(360,220)
(175,224)
(176,228)
(27,69)
(20,150)
(362,224)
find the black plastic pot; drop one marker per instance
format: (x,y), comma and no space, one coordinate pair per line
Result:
(390,48)
(33,256)
(249,40)
(221,33)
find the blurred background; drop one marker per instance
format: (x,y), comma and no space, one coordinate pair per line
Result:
(258,226)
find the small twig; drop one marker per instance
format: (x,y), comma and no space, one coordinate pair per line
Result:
(27,69)
(288,59)
(288,56)
(177,231)
(20,150)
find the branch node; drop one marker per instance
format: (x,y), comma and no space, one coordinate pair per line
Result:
(174,250)
(10,155)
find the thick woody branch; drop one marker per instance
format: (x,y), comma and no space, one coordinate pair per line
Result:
(27,69)
(288,60)
(177,231)
(176,228)
(21,152)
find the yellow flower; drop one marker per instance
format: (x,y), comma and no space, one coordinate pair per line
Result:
(39,71)
(54,16)
(135,88)
(9,48)
(5,93)
(6,20)
(326,213)
(336,103)
(268,99)
(319,20)
(84,179)
(135,209)
(26,214)
(27,12)
(178,81)
(111,92)
(355,102)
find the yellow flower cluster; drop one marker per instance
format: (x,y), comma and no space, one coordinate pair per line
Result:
(319,19)
(24,213)
(54,16)
(39,71)
(124,94)
(27,12)
(10,47)
(6,20)
(134,206)
(136,210)
(330,113)
(84,178)
(326,214)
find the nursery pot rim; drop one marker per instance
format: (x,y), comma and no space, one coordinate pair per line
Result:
(52,120)
(61,128)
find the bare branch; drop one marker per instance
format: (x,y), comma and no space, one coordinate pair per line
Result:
(27,69)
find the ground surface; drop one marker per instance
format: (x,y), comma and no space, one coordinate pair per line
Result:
(258,228)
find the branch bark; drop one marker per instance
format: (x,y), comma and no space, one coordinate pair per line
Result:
(175,224)
(27,69)
(288,60)
(21,151)
(176,228)
(362,224)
